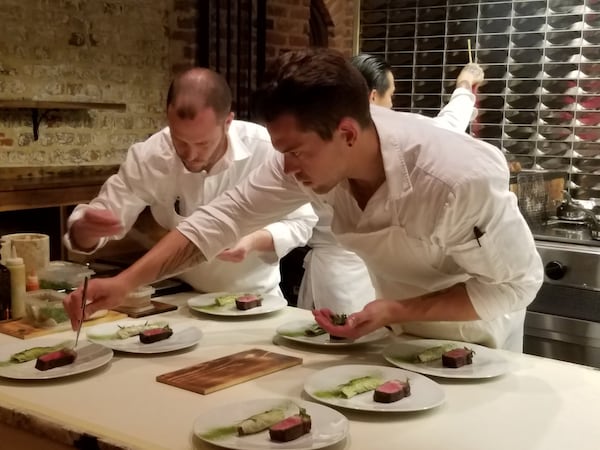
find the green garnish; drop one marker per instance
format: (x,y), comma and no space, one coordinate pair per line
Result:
(128,331)
(351,388)
(339,319)
(219,432)
(34,353)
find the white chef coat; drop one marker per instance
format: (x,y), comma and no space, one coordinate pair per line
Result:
(439,186)
(338,279)
(154,175)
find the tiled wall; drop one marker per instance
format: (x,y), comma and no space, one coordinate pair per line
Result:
(541,99)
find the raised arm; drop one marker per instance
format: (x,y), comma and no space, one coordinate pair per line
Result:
(266,196)
(114,211)
(460,110)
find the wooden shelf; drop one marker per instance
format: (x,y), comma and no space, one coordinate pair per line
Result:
(48,105)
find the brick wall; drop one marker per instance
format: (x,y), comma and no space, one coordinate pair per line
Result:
(98,51)
(182,34)
(288,25)
(342,14)
(112,51)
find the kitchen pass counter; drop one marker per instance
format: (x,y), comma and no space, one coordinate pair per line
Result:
(541,404)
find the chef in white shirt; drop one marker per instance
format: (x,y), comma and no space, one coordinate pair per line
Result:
(334,277)
(427,209)
(201,154)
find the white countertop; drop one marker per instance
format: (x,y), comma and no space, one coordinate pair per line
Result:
(541,405)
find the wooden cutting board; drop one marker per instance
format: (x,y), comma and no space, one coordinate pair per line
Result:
(23,330)
(220,373)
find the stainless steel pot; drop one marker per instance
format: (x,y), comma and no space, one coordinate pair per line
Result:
(568,210)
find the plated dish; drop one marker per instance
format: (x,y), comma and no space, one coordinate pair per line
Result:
(89,356)
(302,331)
(183,336)
(486,362)
(208,304)
(219,426)
(324,386)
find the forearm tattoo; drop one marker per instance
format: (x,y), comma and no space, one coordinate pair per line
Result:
(180,261)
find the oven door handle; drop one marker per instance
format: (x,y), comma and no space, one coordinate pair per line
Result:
(563,329)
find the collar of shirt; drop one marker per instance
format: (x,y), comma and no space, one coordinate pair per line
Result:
(393,155)
(236,151)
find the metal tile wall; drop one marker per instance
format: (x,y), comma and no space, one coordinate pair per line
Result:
(541,99)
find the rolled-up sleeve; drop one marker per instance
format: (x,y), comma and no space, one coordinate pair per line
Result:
(264,198)
(294,231)
(125,194)
(484,232)
(458,112)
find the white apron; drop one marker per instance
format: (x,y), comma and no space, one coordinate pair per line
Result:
(403,267)
(252,274)
(335,278)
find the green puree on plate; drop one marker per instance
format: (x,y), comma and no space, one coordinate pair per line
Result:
(353,387)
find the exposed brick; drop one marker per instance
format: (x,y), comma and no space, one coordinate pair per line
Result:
(6,142)
(185,5)
(186,36)
(189,51)
(298,41)
(276,10)
(77,40)
(277,38)
(187,23)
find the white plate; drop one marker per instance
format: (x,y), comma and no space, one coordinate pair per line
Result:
(487,362)
(425,393)
(89,356)
(294,331)
(328,425)
(183,336)
(200,303)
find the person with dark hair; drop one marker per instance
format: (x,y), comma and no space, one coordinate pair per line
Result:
(428,209)
(334,277)
(202,153)
(379,77)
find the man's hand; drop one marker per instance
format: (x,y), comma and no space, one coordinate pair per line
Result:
(470,76)
(95,224)
(374,316)
(102,293)
(259,241)
(238,252)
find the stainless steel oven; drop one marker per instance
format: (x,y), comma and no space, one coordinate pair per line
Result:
(563,322)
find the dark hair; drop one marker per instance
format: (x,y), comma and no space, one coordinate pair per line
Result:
(374,70)
(319,87)
(198,88)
